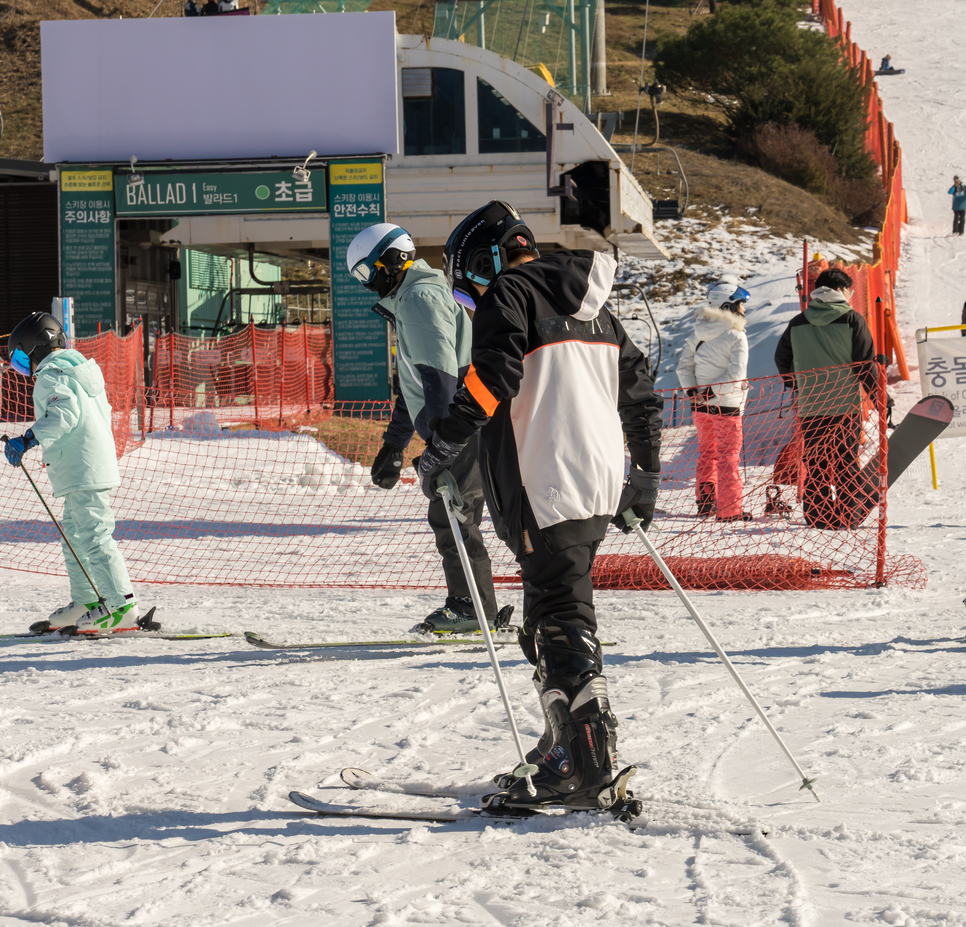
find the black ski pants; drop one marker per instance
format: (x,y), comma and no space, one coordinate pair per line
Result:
(466,472)
(833,496)
(959,216)
(558,601)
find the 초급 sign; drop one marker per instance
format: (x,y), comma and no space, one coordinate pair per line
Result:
(183,194)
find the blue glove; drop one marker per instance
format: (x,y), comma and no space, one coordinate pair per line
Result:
(16,447)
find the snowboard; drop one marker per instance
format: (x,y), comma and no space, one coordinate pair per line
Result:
(890,71)
(925,422)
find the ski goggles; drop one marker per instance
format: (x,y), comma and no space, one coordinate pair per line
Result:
(365,269)
(20,362)
(464,300)
(740,295)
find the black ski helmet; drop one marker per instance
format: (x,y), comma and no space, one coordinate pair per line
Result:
(32,340)
(478,247)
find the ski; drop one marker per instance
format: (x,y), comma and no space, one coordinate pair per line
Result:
(256,640)
(363,780)
(52,637)
(325,809)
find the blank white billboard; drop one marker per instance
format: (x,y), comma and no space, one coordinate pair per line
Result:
(219,87)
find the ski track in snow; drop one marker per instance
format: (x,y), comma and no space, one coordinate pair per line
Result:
(145,782)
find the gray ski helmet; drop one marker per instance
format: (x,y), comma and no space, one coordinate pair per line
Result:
(478,248)
(32,340)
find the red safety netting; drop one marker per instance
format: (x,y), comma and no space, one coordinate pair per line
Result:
(216,494)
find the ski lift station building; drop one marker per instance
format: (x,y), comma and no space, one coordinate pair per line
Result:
(312,106)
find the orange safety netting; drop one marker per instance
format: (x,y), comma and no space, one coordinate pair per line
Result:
(121,361)
(268,373)
(874,291)
(217,494)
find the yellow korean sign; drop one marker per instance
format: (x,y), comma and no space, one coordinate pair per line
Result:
(86,180)
(345,174)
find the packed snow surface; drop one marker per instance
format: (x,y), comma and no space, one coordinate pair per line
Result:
(145,781)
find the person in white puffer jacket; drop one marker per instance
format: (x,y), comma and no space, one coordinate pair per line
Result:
(713,362)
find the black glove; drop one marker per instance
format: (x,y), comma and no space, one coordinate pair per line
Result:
(16,447)
(640,495)
(700,396)
(387,466)
(438,456)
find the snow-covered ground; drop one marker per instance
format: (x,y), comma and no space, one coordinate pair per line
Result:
(144,782)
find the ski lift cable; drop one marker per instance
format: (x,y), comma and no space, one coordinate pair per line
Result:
(523,22)
(640,83)
(615,289)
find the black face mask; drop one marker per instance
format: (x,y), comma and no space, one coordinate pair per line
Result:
(382,284)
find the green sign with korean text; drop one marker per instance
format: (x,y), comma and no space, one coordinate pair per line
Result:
(87,248)
(182,194)
(360,338)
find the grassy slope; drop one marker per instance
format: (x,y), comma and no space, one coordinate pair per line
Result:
(688,122)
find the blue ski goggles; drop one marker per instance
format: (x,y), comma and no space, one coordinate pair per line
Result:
(20,362)
(740,295)
(464,300)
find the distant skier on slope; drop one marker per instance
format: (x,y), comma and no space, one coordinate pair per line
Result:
(713,361)
(958,193)
(556,384)
(886,64)
(433,353)
(73,428)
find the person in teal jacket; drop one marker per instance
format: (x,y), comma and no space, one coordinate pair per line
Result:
(433,338)
(73,428)
(958,193)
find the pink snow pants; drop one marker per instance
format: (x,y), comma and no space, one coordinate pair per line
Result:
(719,449)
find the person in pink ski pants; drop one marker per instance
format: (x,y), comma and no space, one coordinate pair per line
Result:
(713,365)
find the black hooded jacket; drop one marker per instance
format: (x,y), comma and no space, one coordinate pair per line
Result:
(563,386)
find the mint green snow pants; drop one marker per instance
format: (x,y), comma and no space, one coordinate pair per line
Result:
(89,524)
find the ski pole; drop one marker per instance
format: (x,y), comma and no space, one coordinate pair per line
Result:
(53,518)
(446,487)
(631,519)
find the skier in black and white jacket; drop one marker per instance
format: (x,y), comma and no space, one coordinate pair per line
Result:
(556,385)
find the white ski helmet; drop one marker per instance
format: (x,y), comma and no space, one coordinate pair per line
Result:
(727,296)
(389,245)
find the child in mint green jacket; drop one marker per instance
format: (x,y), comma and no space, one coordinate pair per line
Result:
(73,428)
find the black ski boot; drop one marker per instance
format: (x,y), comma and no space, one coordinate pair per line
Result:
(580,771)
(776,506)
(537,754)
(706,499)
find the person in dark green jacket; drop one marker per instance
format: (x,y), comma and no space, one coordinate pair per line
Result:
(826,354)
